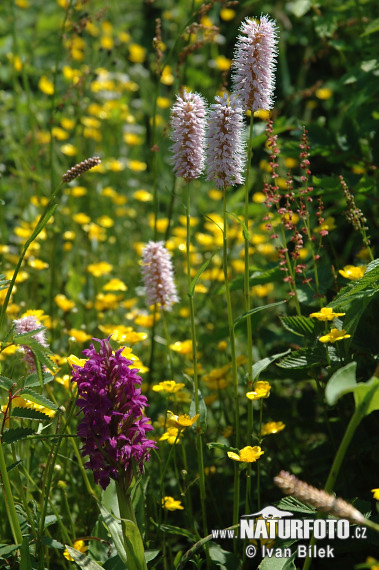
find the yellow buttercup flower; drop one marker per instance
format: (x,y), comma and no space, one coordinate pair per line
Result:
(72,359)
(168,386)
(326,314)
(181,421)
(142,196)
(272,427)
(334,335)
(115,285)
(99,269)
(171,504)
(352,272)
(261,390)
(172,435)
(184,347)
(375,494)
(45,85)
(247,454)
(123,334)
(64,303)
(78,545)
(79,335)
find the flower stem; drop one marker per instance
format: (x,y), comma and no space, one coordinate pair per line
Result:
(246,283)
(9,502)
(132,540)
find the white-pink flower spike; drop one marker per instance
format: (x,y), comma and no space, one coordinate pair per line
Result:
(254,64)
(158,276)
(188,116)
(226,149)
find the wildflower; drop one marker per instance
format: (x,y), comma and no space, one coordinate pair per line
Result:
(172,435)
(78,545)
(113,427)
(272,427)
(115,285)
(120,333)
(261,390)
(74,360)
(254,63)
(80,168)
(352,272)
(326,314)
(247,454)
(188,132)
(64,303)
(171,504)
(27,324)
(324,502)
(184,347)
(46,86)
(225,146)
(376,494)
(79,335)
(334,335)
(158,276)
(142,196)
(168,386)
(99,269)
(181,421)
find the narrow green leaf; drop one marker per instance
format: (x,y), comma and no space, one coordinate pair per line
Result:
(261,365)
(245,231)
(197,276)
(82,560)
(51,542)
(25,559)
(133,538)
(256,310)
(6,549)
(13,466)
(29,414)
(22,338)
(302,326)
(366,396)
(12,435)
(29,394)
(176,530)
(202,410)
(115,529)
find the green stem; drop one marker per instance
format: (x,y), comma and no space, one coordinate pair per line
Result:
(169,354)
(246,283)
(199,436)
(134,561)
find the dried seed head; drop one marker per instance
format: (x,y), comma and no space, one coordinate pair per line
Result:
(323,501)
(80,168)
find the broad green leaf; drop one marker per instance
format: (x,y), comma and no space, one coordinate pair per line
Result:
(6,549)
(303,358)
(51,542)
(151,554)
(261,365)
(366,394)
(114,563)
(299,7)
(133,538)
(256,310)
(29,414)
(6,383)
(115,529)
(274,563)
(12,435)
(222,558)
(29,394)
(32,380)
(82,560)
(197,276)
(302,326)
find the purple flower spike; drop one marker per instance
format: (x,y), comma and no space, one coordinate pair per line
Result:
(113,427)
(158,276)
(254,64)
(226,150)
(188,130)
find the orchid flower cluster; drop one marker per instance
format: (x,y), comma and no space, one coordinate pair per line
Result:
(253,86)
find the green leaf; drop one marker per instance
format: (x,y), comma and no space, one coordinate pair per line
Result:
(51,542)
(256,310)
(6,383)
(197,276)
(222,558)
(133,538)
(366,394)
(37,398)
(202,410)
(258,277)
(115,529)
(29,414)
(178,531)
(6,549)
(82,560)
(21,338)
(12,435)
(14,465)
(25,561)
(261,365)
(303,358)
(33,380)
(218,445)
(246,233)
(278,563)
(301,326)
(369,283)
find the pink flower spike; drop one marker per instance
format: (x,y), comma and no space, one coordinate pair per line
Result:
(254,64)
(226,149)
(158,276)
(188,116)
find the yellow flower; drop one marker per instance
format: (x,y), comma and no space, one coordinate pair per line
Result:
(106,301)
(227,14)
(247,454)
(72,359)
(59,133)
(115,285)
(167,77)
(184,347)
(261,390)
(78,192)
(272,427)
(326,314)
(81,218)
(168,386)
(262,290)
(99,269)
(120,333)
(328,224)
(106,42)
(142,196)
(146,320)
(171,504)
(69,149)
(79,335)
(181,421)
(38,264)
(64,303)
(45,85)
(262,114)
(137,53)
(137,165)
(324,93)
(352,272)
(172,435)
(78,545)
(132,139)
(376,494)
(334,335)
(105,222)
(223,63)
(19,402)
(374,564)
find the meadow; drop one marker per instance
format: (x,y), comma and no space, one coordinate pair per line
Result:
(189,283)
